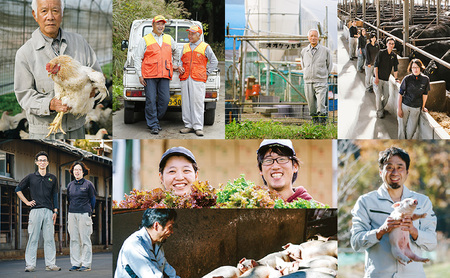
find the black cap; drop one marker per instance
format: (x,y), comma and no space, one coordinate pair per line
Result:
(283,143)
(176,151)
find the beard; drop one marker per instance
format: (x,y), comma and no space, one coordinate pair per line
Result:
(394,185)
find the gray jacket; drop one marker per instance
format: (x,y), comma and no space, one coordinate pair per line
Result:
(138,255)
(316,68)
(369,213)
(33,86)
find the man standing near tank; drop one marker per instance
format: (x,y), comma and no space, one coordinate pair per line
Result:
(194,70)
(154,66)
(317,64)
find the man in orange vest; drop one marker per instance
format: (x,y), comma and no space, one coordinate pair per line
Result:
(154,66)
(194,71)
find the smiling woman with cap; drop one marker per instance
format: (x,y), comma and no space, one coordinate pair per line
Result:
(278,167)
(178,170)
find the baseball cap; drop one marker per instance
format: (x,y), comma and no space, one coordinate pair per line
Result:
(176,151)
(195,29)
(267,143)
(159,18)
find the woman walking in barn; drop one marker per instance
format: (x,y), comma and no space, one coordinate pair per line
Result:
(412,97)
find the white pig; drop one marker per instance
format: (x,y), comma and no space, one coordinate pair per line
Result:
(246,264)
(270,259)
(262,271)
(310,249)
(399,239)
(224,272)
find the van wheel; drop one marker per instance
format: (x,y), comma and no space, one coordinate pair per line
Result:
(209,116)
(128,116)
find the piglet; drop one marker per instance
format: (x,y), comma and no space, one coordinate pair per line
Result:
(310,249)
(246,264)
(261,271)
(224,272)
(270,259)
(399,239)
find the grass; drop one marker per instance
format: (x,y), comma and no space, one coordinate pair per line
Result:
(8,102)
(107,69)
(276,130)
(117,93)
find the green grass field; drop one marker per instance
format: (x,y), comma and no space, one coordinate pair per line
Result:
(273,129)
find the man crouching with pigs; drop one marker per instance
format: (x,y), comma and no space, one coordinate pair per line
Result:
(142,254)
(382,218)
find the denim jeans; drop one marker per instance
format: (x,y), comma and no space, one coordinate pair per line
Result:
(361,59)
(157,97)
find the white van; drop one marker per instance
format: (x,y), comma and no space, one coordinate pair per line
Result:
(133,91)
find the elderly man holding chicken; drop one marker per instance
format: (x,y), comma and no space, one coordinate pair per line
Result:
(33,85)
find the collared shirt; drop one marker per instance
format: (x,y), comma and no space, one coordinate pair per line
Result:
(317,67)
(81,196)
(142,46)
(139,256)
(369,213)
(371,53)
(33,86)
(413,88)
(385,62)
(43,189)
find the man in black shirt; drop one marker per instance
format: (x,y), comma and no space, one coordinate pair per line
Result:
(352,40)
(384,62)
(44,209)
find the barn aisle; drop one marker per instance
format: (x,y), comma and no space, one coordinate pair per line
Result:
(357,113)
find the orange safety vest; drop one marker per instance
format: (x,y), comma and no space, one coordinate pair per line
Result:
(157,62)
(194,62)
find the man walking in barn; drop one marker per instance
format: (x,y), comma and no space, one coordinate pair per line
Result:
(194,70)
(154,66)
(43,212)
(385,61)
(317,64)
(352,40)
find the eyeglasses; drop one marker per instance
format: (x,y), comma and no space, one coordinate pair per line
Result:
(42,160)
(279,160)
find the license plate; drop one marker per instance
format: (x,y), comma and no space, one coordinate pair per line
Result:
(175,100)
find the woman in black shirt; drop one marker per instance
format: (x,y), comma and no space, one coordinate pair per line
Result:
(412,98)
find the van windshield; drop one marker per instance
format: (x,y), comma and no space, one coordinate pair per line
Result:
(170,30)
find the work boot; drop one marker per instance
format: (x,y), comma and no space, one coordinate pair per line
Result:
(52,268)
(30,268)
(186,130)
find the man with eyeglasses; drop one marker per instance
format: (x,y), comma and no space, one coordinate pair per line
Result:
(32,84)
(43,188)
(278,167)
(142,254)
(371,225)
(385,61)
